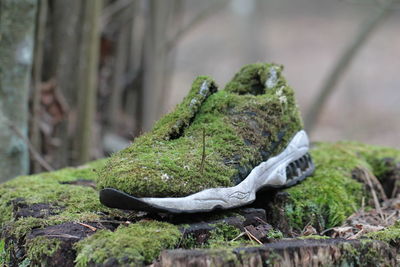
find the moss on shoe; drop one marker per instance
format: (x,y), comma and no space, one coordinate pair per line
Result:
(242,128)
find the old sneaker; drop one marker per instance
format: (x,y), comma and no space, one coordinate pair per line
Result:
(215,150)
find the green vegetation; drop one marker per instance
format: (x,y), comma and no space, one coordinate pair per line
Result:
(275,234)
(331,195)
(162,163)
(3,252)
(74,203)
(136,243)
(41,246)
(389,235)
(68,202)
(222,237)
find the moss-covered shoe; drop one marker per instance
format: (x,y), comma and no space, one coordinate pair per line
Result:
(215,150)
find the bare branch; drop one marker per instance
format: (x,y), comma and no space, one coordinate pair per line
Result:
(112,9)
(210,10)
(344,61)
(36,155)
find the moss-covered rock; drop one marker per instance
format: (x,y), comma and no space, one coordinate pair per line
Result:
(215,144)
(49,218)
(44,215)
(333,192)
(136,243)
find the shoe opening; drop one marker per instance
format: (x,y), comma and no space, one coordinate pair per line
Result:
(255,79)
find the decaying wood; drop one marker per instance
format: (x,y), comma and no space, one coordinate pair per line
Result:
(332,252)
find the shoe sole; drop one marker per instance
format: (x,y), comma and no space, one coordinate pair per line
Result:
(286,169)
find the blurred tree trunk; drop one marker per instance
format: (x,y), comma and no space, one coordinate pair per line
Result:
(155,60)
(34,131)
(65,27)
(17,20)
(88,77)
(72,62)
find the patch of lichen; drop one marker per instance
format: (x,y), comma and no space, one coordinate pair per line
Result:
(76,203)
(330,195)
(240,131)
(137,243)
(40,247)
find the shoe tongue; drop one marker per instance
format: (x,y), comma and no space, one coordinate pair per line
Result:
(255,79)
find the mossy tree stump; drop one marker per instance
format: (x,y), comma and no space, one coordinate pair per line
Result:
(56,218)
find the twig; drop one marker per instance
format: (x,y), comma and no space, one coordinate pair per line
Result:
(203,157)
(180,240)
(239,236)
(374,196)
(343,62)
(360,233)
(251,236)
(64,236)
(260,220)
(394,191)
(36,156)
(211,9)
(88,226)
(114,221)
(112,9)
(390,217)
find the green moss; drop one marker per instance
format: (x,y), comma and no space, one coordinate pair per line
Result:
(241,130)
(75,203)
(41,246)
(328,197)
(275,234)
(3,253)
(222,236)
(389,235)
(255,79)
(136,243)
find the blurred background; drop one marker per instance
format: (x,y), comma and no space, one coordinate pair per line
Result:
(104,71)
